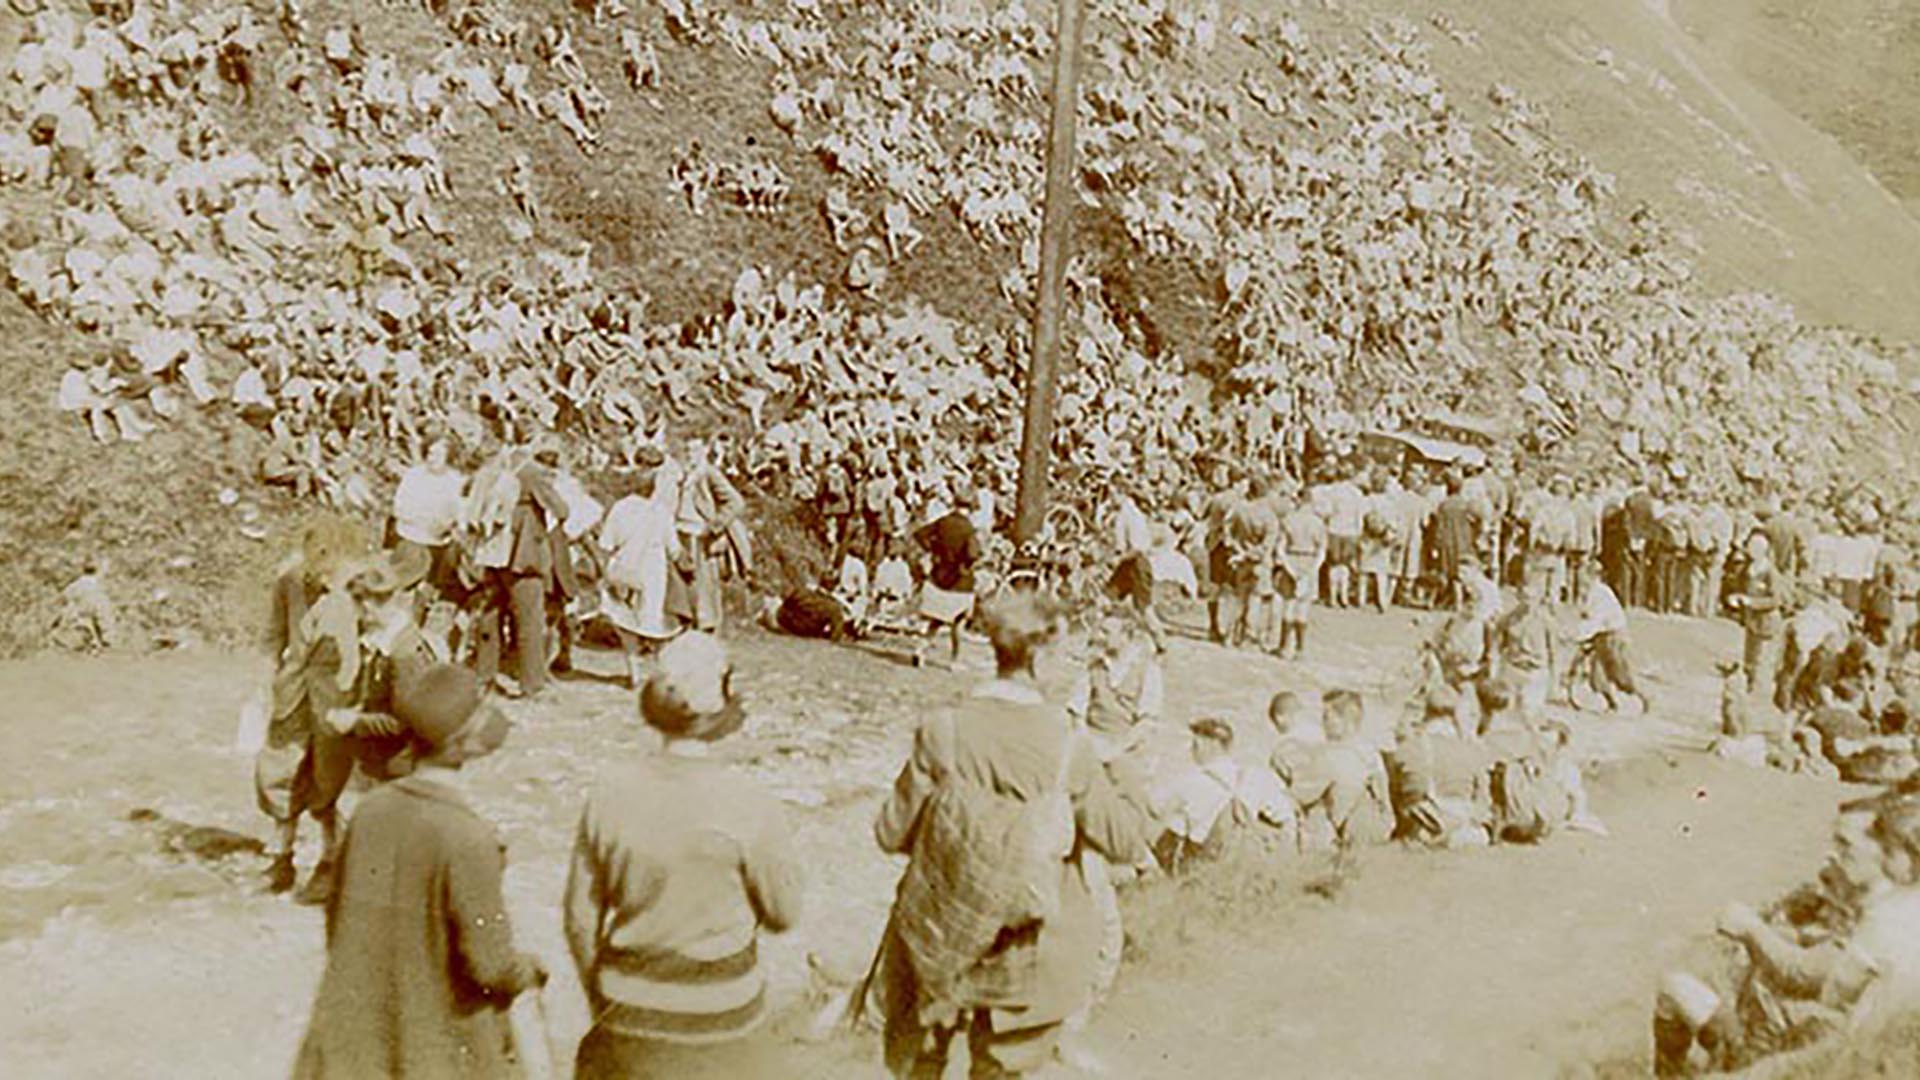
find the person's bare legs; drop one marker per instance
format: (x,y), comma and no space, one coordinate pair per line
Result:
(280,875)
(630,648)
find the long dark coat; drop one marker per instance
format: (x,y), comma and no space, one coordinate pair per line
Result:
(421,967)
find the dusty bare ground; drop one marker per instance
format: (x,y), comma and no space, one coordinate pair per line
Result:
(1506,962)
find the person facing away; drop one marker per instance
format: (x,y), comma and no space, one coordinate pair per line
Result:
(998,940)
(679,866)
(421,967)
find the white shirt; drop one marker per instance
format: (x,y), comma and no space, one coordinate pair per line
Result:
(1812,625)
(426,506)
(583,510)
(1346,509)
(1195,799)
(1131,531)
(1889,937)
(983,513)
(1601,613)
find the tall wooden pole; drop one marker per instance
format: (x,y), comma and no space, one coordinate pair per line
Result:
(1036,441)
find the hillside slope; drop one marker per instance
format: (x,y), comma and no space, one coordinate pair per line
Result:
(1772,203)
(1579,113)
(1850,68)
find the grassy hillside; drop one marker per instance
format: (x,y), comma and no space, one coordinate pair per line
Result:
(1748,194)
(1847,67)
(1771,202)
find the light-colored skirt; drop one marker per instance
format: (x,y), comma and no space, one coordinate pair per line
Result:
(943,607)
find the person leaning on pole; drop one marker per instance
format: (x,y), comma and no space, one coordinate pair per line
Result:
(679,865)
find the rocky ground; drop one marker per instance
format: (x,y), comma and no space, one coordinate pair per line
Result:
(1506,962)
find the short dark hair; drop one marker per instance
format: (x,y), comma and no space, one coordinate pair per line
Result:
(1214,729)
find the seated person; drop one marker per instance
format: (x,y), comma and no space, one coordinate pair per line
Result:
(1121,686)
(1454,661)
(1342,787)
(893,593)
(854,589)
(810,613)
(1202,804)
(1834,957)
(1441,787)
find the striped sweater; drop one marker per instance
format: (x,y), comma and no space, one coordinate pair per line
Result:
(677,866)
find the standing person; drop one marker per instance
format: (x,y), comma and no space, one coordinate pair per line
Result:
(946,597)
(997,939)
(836,504)
(1252,531)
(531,573)
(426,511)
(1303,545)
(1602,637)
(1642,525)
(709,517)
(1345,508)
(1673,559)
(1219,553)
(576,513)
(640,536)
(280,764)
(1583,537)
(1457,525)
(1412,508)
(1549,538)
(876,500)
(1523,642)
(1131,586)
(1712,543)
(421,967)
(1132,533)
(1759,603)
(679,866)
(1379,546)
(328,677)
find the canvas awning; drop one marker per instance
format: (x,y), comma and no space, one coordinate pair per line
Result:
(1442,451)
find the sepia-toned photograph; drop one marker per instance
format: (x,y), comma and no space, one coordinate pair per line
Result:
(939,539)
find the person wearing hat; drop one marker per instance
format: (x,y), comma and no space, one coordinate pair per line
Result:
(679,866)
(999,940)
(421,966)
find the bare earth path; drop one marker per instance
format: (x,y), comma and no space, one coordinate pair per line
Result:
(123,961)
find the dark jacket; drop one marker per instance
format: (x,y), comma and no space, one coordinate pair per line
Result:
(420,961)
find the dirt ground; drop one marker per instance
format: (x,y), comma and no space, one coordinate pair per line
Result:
(1505,962)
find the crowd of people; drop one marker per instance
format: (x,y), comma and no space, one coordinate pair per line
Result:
(318,289)
(1368,260)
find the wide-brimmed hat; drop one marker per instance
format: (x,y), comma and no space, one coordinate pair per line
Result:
(690,693)
(443,708)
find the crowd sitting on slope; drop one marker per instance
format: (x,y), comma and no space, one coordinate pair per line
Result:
(315,290)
